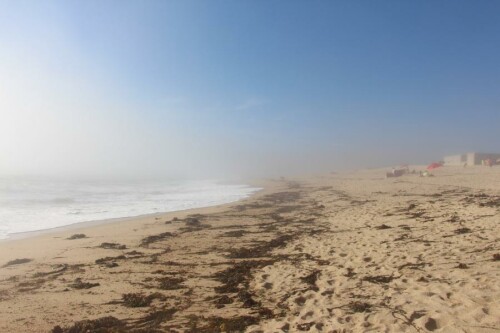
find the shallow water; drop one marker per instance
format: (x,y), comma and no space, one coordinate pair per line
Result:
(30,204)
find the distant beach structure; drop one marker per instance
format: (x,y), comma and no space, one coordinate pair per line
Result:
(471,159)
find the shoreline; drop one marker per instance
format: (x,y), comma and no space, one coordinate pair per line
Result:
(317,253)
(92,223)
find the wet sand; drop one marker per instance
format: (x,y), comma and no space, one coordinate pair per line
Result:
(351,252)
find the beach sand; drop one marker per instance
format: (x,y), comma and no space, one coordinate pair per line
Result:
(350,252)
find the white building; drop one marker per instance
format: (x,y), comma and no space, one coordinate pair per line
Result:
(469,158)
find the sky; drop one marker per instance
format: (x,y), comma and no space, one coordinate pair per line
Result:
(244,88)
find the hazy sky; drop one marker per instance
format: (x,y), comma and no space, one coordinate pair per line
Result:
(214,88)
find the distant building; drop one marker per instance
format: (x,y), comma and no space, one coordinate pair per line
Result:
(470,158)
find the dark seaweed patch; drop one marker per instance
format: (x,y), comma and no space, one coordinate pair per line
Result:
(17,262)
(136,300)
(79,284)
(233,276)
(234,233)
(379,279)
(219,324)
(114,246)
(155,238)
(359,307)
(101,325)
(170,283)
(463,231)
(77,236)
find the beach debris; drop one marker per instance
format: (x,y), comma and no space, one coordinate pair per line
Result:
(496,257)
(77,236)
(30,285)
(59,269)
(192,222)
(222,301)
(79,284)
(260,250)
(463,231)
(247,299)
(415,266)
(234,233)
(154,319)
(104,324)
(17,262)
(359,307)
(426,173)
(106,259)
(170,283)
(237,274)
(462,266)
(134,253)
(155,238)
(220,324)
(136,300)
(379,279)
(114,246)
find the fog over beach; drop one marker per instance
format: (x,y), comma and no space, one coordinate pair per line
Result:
(249,166)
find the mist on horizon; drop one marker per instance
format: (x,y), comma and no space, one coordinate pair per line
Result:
(191,89)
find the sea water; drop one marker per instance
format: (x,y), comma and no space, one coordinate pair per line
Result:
(32,204)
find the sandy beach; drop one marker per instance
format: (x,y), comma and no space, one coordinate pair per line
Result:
(350,252)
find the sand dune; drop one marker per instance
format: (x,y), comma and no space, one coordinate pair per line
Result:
(351,252)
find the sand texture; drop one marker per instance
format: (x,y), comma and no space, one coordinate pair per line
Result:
(351,252)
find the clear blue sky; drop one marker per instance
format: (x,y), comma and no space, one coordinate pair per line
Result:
(316,84)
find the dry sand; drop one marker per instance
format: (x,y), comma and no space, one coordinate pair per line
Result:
(339,253)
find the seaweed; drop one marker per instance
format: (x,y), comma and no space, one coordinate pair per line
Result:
(114,246)
(17,262)
(100,325)
(57,272)
(359,307)
(383,227)
(77,236)
(109,261)
(136,300)
(219,324)
(155,318)
(379,279)
(79,284)
(155,238)
(170,283)
(233,276)
(463,231)
(260,250)
(234,233)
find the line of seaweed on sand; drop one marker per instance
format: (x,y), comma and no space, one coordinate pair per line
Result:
(234,278)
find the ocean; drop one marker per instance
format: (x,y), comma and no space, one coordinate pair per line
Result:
(33,204)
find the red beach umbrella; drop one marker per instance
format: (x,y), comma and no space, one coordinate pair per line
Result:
(434,165)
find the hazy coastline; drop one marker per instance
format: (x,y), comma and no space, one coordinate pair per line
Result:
(38,206)
(296,251)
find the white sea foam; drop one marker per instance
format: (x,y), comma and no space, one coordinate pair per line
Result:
(35,204)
